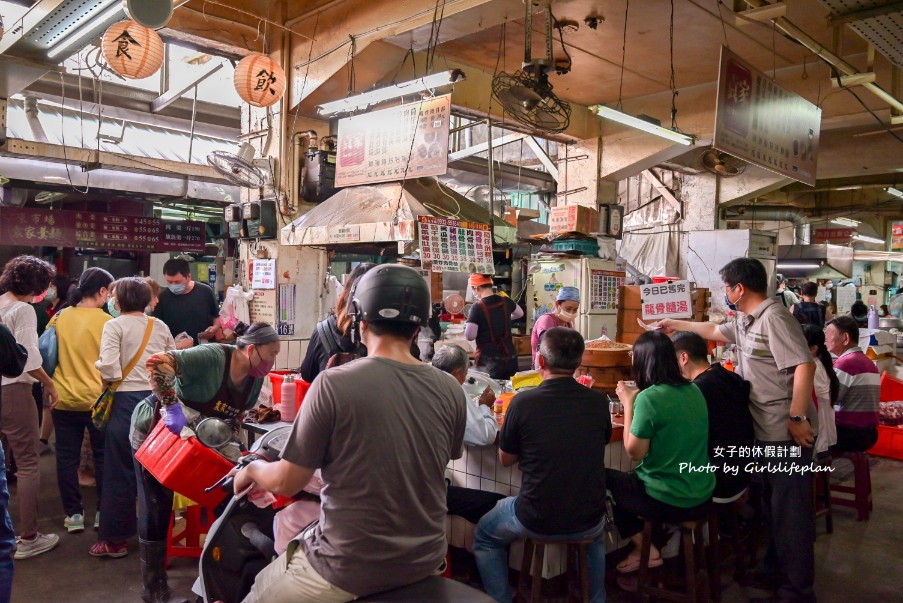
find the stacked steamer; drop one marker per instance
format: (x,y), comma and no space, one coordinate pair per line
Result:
(607,362)
(630,310)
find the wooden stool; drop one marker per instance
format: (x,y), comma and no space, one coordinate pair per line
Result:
(197,523)
(821,493)
(741,553)
(695,571)
(535,550)
(861,488)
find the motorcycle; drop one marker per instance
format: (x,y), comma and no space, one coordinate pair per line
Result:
(240,543)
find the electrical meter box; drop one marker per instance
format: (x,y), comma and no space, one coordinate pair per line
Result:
(236,229)
(319,176)
(232,213)
(260,219)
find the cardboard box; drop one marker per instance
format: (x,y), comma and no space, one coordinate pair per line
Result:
(574,218)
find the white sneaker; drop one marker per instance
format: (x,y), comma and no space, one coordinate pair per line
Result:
(39,544)
(75,523)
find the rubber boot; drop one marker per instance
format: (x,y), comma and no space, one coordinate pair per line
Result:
(153,573)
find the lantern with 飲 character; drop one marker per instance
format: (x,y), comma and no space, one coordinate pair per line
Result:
(132,50)
(259,80)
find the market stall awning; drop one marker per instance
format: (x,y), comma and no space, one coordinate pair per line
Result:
(386,213)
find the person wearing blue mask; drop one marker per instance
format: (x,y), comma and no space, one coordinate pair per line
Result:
(186,305)
(565,313)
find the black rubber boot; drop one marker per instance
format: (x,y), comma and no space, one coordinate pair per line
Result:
(153,573)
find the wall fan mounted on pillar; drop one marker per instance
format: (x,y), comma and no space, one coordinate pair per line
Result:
(239,168)
(722,164)
(527,94)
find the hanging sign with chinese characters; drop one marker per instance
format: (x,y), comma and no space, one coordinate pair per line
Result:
(263,274)
(759,121)
(896,236)
(666,300)
(37,227)
(392,144)
(835,236)
(453,246)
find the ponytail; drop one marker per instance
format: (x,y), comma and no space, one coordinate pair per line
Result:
(90,283)
(816,337)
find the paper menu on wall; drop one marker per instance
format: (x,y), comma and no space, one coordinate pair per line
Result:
(845,298)
(264,274)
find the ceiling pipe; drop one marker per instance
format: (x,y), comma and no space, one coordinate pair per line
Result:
(33,119)
(801,228)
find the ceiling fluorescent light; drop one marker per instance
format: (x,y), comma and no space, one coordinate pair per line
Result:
(641,124)
(373,97)
(868,239)
(798,266)
(70,40)
(845,222)
(895,192)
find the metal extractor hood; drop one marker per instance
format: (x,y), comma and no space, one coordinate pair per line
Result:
(815,261)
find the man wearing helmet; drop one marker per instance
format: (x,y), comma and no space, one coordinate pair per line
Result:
(489,324)
(381,429)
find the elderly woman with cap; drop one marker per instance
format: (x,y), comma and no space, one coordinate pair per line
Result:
(489,324)
(210,380)
(566,305)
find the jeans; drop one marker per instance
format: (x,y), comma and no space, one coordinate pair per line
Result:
(70,428)
(118,520)
(7,538)
(500,527)
(154,506)
(787,504)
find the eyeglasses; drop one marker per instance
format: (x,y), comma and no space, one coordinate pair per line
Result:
(731,287)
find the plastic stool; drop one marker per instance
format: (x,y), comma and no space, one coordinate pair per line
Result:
(695,566)
(534,550)
(861,488)
(197,523)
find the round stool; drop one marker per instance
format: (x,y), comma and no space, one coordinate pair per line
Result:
(577,572)
(695,567)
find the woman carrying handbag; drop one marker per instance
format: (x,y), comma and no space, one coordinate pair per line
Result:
(130,337)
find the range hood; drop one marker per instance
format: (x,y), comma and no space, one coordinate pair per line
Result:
(815,261)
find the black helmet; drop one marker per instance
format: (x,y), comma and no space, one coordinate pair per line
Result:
(391,293)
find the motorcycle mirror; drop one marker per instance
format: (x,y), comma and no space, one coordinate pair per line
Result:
(214,433)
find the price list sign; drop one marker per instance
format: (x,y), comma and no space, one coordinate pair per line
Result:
(182,236)
(453,246)
(116,232)
(36,227)
(604,288)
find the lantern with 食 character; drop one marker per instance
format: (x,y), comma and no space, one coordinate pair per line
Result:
(132,50)
(259,80)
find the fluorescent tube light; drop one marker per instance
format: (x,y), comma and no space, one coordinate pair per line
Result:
(641,124)
(868,239)
(846,222)
(70,40)
(895,192)
(798,266)
(373,97)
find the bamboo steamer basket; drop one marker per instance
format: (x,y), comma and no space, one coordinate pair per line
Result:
(606,367)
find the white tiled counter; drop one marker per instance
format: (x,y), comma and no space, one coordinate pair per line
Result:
(479,468)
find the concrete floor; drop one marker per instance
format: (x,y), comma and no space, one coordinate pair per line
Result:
(859,562)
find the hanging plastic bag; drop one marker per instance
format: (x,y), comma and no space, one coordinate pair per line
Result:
(235,307)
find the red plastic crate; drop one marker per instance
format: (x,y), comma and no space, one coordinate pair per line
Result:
(184,466)
(301,387)
(891,388)
(890,442)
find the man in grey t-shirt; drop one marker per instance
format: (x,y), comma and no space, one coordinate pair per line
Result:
(382,430)
(775,359)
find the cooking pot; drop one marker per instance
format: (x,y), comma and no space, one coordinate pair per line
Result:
(890,322)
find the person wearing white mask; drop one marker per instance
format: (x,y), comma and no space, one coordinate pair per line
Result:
(186,305)
(566,305)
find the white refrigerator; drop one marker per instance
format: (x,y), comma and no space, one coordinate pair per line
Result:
(599,282)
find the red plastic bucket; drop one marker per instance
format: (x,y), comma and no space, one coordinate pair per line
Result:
(664,279)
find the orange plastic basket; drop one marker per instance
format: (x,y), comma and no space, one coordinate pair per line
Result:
(184,466)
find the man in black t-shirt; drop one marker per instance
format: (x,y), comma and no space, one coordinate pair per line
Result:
(187,305)
(557,433)
(730,422)
(489,324)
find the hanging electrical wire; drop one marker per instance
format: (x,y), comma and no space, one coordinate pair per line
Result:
(619,106)
(672,81)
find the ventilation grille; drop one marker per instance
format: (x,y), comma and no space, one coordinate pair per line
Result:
(884,32)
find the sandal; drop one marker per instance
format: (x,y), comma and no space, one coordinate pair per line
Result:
(103,548)
(632,564)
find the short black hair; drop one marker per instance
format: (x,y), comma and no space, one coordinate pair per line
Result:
(403,330)
(26,275)
(748,272)
(859,309)
(562,349)
(809,289)
(655,361)
(691,343)
(133,294)
(174,266)
(848,325)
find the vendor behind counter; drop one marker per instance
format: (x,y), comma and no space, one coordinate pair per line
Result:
(566,305)
(489,324)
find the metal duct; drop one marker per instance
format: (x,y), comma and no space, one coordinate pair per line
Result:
(32,116)
(802,230)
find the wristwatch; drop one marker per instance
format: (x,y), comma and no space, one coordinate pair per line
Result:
(798,418)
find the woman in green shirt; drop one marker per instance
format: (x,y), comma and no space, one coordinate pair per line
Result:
(666,428)
(211,380)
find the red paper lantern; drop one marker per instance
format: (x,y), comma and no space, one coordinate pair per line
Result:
(132,50)
(259,80)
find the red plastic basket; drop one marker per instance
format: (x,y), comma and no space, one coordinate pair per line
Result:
(184,466)
(664,279)
(891,388)
(301,387)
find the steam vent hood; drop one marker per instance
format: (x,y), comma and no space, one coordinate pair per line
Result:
(815,261)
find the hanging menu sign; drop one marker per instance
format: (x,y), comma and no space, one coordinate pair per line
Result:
(453,246)
(896,233)
(759,121)
(391,144)
(605,286)
(38,227)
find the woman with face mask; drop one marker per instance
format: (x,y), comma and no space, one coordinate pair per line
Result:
(209,380)
(566,305)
